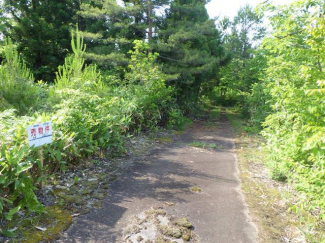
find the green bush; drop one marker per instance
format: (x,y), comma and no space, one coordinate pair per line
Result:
(176,120)
(17,87)
(154,101)
(295,86)
(86,114)
(256,105)
(16,160)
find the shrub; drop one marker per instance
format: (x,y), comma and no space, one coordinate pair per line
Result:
(16,160)
(154,101)
(295,86)
(86,114)
(17,87)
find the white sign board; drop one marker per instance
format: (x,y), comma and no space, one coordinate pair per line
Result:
(39,134)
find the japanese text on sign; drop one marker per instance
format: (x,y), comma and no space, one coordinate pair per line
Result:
(39,134)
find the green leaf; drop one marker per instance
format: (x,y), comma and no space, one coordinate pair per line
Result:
(12,212)
(11,233)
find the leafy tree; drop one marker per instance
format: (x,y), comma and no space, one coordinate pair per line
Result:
(240,38)
(294,81)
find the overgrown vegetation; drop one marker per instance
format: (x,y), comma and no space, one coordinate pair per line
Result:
(294,89)
(287,102)
(142,69)
(278,86)
(86,113)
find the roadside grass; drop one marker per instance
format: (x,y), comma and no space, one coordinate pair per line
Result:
(198,144)
(269,201)
(164,139)
(215,113)
(213,146)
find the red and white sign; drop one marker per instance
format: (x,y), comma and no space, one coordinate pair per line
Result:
(39,134)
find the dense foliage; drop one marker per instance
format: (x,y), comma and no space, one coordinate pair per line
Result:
(147,63)
(279,85)
(284,97)
(41,30)
(294,83)
(190,47)
(87,115)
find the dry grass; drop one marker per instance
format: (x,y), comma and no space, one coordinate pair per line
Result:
(268,200)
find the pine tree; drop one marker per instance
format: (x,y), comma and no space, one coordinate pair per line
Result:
(103,24)
(190,46)
(111,28)
(41,29)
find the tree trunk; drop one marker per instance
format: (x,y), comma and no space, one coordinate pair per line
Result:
(149,20)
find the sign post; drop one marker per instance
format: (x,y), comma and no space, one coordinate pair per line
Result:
(39,135)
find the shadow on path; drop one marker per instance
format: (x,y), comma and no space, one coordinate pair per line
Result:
(166,175)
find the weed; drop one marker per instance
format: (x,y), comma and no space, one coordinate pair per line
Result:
(164,139)
(213,146)
(195,189)
(198,144)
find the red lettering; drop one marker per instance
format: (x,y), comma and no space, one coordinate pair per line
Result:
(40,130)
(33,132)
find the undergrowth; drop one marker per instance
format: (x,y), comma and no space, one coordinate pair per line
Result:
(87,115)
(252,151)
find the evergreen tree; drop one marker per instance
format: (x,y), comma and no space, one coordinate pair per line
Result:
(104,24)
(111,28)
(42,30)
(190,46)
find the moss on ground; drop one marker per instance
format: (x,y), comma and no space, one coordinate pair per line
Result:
(198,144)
(178,132)
(45,227)
(164,139)
(195,189)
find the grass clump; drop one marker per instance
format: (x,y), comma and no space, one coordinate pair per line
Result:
(213,146)
(195,189)
(198,144)
(164,139)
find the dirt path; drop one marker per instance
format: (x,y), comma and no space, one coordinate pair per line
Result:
(199,183)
